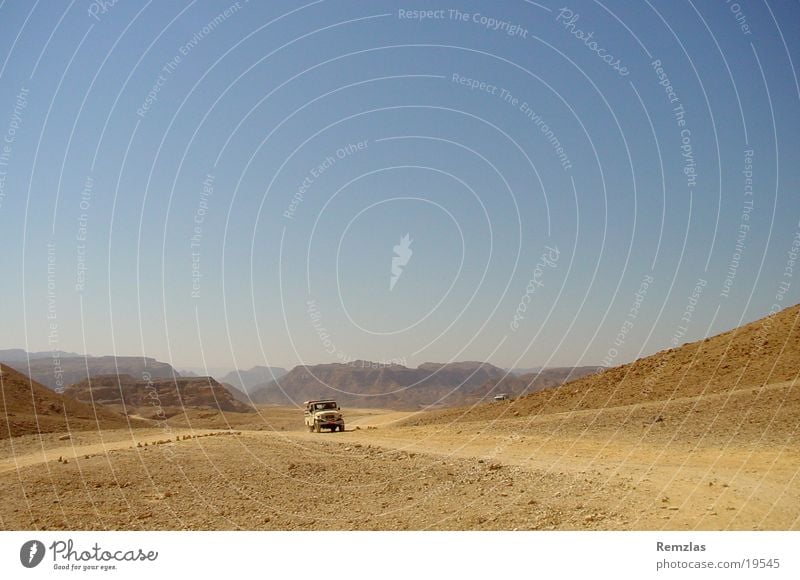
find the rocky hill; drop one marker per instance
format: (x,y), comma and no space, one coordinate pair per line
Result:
(28,407)
(201,392)
(57,373)
(761,353)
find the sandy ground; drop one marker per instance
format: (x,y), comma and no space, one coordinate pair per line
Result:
(615,469)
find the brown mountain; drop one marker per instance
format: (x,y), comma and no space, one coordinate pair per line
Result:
(164,393)
(367,384)
(761,353)
(60,371)
(29,407)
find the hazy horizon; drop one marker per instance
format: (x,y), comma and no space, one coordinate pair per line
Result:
(238,184)
(189,366)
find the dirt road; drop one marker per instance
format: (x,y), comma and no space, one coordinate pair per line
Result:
(27,451)
(507,474)
(672,485)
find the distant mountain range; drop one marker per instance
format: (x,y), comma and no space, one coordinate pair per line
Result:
(358,383)
(245,381)
(525,371)
(19,355)
(58,372)
(367,384)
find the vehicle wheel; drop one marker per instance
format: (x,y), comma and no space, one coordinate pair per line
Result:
(317,428)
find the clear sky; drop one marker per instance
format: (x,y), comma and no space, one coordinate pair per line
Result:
(229,183)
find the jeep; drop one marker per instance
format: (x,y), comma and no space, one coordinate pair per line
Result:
(321,415)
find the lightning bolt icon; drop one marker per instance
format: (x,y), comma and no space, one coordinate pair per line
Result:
(402,255)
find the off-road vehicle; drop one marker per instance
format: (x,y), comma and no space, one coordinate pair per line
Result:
(321,415)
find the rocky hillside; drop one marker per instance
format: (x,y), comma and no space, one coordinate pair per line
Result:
(763,352)
(28,407)
(57,373)
(203,392)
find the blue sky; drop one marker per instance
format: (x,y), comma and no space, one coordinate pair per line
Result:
(223,184)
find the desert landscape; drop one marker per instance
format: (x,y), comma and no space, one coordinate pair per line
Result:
(508,288)
(700,437)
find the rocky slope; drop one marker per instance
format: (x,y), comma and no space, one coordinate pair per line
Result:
(763,352)
(28,408)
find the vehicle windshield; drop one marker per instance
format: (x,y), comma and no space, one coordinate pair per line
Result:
(324,406)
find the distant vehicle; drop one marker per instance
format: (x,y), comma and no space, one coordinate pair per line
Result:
(501,397)
(321,415)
